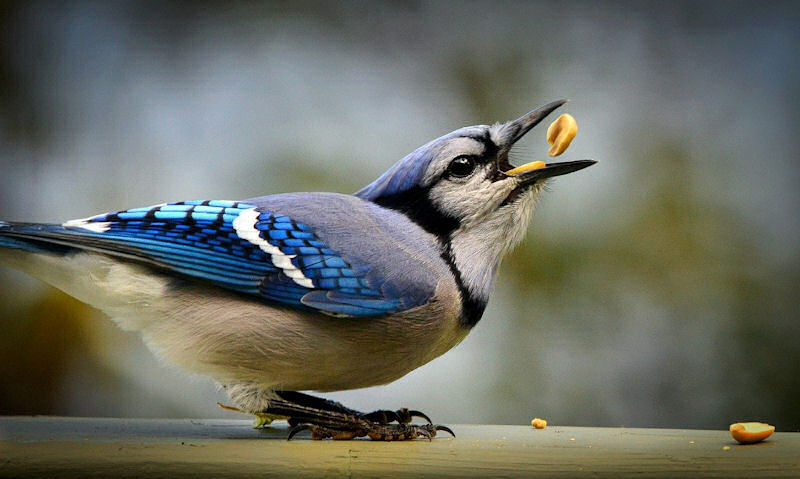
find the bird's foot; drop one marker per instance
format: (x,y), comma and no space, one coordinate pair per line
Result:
(328,419)
(375,431)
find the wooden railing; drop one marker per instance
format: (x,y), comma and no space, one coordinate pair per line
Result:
(80,447)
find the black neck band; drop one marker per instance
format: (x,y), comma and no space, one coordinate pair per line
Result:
(416,205)
(471,306)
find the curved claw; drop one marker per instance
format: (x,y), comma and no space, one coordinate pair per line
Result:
(421,431)
(296,429)
(446,429)
(401,416)
(414,413)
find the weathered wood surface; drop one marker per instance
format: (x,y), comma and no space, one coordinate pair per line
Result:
(71,447)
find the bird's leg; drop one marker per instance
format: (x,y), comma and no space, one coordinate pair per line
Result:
(378,432)
(330,419)
(314,402)
(381,416)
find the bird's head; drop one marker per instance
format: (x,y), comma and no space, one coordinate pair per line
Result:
(462,188)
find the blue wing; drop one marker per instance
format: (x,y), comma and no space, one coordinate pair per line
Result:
(234,245)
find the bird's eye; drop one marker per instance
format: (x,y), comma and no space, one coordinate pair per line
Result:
(461,166)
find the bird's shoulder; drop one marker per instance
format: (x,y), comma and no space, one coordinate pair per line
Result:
(394,249)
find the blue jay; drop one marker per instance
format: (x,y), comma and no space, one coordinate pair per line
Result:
(308,291)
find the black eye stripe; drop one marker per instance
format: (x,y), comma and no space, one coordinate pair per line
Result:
(489,148)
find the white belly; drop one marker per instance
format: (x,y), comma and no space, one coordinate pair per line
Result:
(246,344)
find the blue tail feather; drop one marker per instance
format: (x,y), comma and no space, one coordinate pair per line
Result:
(12,236)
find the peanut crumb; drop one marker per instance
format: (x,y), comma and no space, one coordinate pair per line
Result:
(539,423)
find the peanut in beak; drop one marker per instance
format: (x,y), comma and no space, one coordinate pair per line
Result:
(560,134)
(533,165)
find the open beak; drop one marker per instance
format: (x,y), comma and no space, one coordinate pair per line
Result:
(537,170)
(516,129)
(550,170)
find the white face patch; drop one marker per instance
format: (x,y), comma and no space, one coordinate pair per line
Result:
(487,231)
(467,199)
(478,247)
(472,198)
(245,227)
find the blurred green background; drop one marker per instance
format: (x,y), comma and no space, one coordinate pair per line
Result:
(658,288)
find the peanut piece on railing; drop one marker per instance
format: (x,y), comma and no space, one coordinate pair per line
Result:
(539,423)
(750,432)
(560,134)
